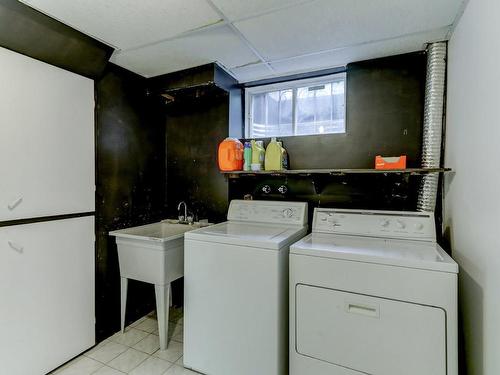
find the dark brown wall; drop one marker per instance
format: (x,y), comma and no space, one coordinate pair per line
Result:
(378,192)
(384,109)
(130,175)
(385,100)
(385,106)
(194,129)
(27,31)
(384,114)
(206,107)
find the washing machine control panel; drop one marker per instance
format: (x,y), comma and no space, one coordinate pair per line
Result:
(388,224)
(268,212)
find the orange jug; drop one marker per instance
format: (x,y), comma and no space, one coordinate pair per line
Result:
(230,155)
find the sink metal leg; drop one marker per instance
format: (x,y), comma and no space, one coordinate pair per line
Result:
(162,301)
(124,287)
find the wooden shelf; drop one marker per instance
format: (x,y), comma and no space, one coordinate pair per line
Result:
(336,172)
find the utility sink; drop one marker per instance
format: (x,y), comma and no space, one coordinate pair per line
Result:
(152,253)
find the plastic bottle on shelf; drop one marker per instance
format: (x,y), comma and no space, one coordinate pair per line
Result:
(284,160)
(258,153)
(262,154)
(230,155)
(274,156)
(247,157)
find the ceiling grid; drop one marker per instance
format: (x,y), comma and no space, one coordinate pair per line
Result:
(241,36)
(254,39)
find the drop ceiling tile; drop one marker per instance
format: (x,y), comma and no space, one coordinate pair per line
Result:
(327,24)
(234,9)
(129,23)
(343,56)
(219,44)
(252,72)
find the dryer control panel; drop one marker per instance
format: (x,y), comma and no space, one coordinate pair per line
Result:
(272,212)
(372,223)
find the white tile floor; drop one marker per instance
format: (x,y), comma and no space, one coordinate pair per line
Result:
(135,352)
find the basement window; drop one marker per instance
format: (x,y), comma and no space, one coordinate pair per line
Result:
(303,107)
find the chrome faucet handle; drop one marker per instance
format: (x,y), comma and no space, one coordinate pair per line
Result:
(190,219)
(184,217)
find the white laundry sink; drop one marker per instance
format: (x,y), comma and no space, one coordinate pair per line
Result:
(152,253)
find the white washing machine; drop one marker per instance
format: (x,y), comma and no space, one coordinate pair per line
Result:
(371,292)
(236,289)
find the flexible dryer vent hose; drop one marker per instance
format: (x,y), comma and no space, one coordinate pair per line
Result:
(433,123)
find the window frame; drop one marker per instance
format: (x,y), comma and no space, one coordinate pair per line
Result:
(293,85)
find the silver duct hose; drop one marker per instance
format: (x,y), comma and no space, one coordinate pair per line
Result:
(433,123)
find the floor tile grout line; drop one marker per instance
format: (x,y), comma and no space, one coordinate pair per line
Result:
(100,368)
(174,363)
(108,340)
(131,368)
(106,363)
(133,347)
(151,334)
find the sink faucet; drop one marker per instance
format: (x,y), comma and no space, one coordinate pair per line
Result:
(182,218)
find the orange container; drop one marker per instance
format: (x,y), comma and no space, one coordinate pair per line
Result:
(387,163)
(230,155)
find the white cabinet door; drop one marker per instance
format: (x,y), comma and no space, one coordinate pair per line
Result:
(46,294)
(46,139)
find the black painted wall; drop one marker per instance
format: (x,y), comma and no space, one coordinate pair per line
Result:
(385,107)
(384,116)
(378,192)
(205,106)
(130,175)
(27,31)
(384,110)
(194,129)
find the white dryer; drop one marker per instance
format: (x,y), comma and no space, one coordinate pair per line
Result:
(236,289)
(371,292)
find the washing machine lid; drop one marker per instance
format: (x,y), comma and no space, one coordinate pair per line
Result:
(266,236)
(395,252)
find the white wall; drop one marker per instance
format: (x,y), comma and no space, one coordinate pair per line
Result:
(472,200)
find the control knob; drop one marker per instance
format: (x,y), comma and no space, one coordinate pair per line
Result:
(287,213)
(384,223)
(401,224)
(283,189)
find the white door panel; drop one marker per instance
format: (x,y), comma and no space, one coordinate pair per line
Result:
(368,334)
(46,139)
(46,293)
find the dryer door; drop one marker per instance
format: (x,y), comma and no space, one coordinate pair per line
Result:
(369,334)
